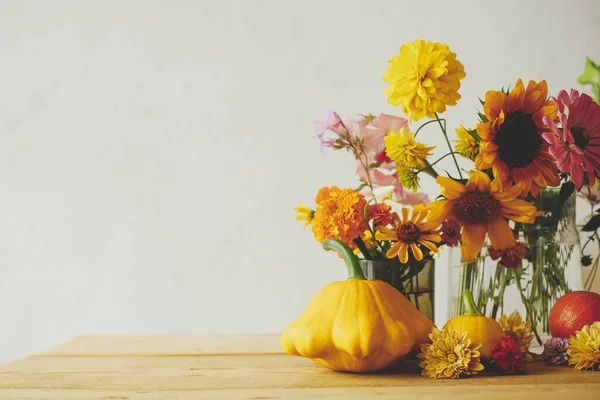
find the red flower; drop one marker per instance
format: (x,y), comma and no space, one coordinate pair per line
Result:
(380,214)
(508,356)
(509,258)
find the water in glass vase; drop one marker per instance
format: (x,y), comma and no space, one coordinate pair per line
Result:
(550,268)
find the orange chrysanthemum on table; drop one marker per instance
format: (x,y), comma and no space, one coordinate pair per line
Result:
(339,215)
(481,207)
(410,232)
(511,140)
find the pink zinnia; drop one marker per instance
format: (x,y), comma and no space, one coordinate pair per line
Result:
(577,146)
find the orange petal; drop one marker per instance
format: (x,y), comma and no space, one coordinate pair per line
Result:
(516,97)
(403,253)
(440,210)
(500,234)
(416,251)
(450,188)
(484,130)
(393,251)
(478,180)
(473,237)
(494,103)
(431,246)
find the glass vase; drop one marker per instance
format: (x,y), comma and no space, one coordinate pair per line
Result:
(551,268)
(415,280)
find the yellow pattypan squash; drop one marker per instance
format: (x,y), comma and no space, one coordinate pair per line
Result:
(357,325)
(479,328)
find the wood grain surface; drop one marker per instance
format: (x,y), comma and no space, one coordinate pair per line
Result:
(250,367)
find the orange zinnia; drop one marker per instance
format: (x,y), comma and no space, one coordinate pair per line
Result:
(410,233)
(511,142)
(481,207)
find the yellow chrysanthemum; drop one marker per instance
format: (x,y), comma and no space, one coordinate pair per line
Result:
(466,144)
(408,178)
(584,348)
(304,213)
(424,78)
(519,330)
(339,215)
(402,148)
(412,233)
(449,355)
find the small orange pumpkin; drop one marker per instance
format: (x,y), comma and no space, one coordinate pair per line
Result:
(479,328)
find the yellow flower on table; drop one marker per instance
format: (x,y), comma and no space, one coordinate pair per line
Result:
(449,355)
(424,78)
(481,207)
(514,326)
(404,149)
(584,348)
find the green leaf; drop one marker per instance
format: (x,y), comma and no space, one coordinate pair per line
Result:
(591,74)
(482,118)
(596,92)
(592,224)
(474,134)
(481,101)
(369,117)
(375,165)
(361,187)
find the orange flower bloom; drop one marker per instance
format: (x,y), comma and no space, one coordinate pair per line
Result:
(511,142)
(410,233)
(380,214)
(481,207)
(339,215)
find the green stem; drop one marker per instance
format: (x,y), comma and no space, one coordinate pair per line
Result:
(499,301)
(469,303)
(449,145)
(429,170)
(428,165)
(354,270)
(426,123)
(363,248)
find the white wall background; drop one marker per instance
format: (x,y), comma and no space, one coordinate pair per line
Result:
(151,151)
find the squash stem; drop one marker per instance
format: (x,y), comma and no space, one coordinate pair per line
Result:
(469,303)
(354,270)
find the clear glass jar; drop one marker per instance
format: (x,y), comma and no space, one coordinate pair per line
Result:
(551,268)
(416,281)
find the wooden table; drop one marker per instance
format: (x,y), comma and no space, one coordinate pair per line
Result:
(250,367)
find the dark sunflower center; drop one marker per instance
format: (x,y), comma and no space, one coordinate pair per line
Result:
(581,137)
(476,207)
(408,232)
(518,140)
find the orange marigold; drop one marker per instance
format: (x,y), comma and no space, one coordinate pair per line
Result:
(339,215)
(380,214)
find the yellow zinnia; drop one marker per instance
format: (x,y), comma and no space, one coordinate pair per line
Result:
(424,78)
(410,233)
(402,148)
(481,207)
(584,347)
(466,144)
(449,355)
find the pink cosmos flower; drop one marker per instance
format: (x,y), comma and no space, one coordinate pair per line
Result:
(372,133)
(577,146)
(329,130)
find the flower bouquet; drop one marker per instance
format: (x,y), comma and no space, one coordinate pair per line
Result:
(523,144)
